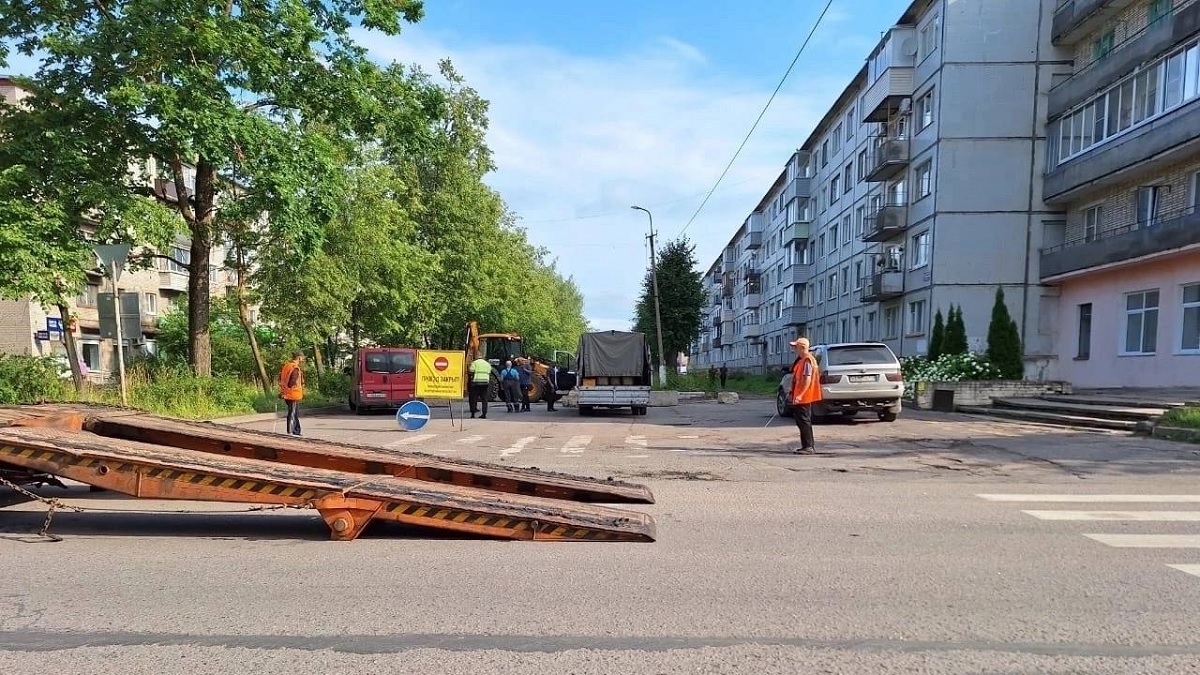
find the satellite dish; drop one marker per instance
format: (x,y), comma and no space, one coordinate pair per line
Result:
(908,46)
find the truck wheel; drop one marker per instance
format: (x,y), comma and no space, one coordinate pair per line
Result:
(493,392)
(585,410)
(887,417)
(537,389)
(639,410)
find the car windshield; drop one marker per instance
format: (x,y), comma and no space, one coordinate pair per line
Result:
(391,362)
(858,355)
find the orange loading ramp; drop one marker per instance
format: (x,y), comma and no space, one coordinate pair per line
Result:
(156,457)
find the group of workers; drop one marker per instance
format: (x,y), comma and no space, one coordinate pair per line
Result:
(515,381)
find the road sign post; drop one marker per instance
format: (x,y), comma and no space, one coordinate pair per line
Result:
(413,415)
(113,258)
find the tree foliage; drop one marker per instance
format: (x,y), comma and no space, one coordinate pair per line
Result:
(955,341)
(937,337)
(681,300)
(1004,341)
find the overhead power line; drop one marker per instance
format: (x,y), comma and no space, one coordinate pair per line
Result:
(779,86)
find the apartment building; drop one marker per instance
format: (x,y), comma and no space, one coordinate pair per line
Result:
(921,188)
(1124,166)
(27,328)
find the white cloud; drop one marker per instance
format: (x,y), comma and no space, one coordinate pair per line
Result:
(577,140)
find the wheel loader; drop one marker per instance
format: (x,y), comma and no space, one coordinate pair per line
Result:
(499,347)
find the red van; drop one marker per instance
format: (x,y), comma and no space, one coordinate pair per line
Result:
(382,377)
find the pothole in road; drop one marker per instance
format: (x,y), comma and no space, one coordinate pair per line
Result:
(675,475)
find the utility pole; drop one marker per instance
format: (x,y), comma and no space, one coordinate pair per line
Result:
(662,362)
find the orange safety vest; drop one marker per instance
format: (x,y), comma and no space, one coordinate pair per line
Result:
(813,393)
(295,393)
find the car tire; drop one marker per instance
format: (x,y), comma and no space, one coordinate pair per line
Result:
(781,405)
(887,417)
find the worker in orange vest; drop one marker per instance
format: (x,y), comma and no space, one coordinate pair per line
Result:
(806,390)
(291,390)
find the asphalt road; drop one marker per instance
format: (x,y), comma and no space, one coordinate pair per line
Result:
(878,555)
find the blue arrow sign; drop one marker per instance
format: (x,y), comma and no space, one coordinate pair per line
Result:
(413,415)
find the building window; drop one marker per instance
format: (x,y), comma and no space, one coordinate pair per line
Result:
(1190,340)
(858,275)
(845,330)
(1084,347)
(848,178)
(916,317)
(929,38)
(891,323)
(1102,45)
(821,246)
(897,194)
(833,188)
(850,124)
(837,140)
(1196,191)
(871,326)
(89,296)
(925,179)
(925,110)
(1141,323)
(860,216)
(1149,201)
(862,165)
(150,303)
(1158,10)
(825,153)
(846,280)
(833,237)
(1091,223)
(832,289)
(920,254)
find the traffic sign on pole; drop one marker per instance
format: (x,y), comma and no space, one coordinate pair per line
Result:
(112,257)
(413,415)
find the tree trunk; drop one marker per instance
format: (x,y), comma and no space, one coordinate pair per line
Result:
(72,348)
(244,316)
(318,358)
(201,220)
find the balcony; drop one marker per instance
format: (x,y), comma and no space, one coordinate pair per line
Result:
(752,331)
(1152,145)
(753,240)
(726,314)
(883,285)
(1134,50)
(798,273)
(1074,19)
(172,281)
(798,231)
(887,222)
(795,316)
(893,60)
(730,264)
(716,342)
(888,157)
(799,188)
(753,300)
(1170,231)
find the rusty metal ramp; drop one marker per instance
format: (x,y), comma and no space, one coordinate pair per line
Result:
(346,501)
(228,441)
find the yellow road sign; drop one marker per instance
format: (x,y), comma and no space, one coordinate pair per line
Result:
(440,374)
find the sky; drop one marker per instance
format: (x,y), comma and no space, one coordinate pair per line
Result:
(595,107)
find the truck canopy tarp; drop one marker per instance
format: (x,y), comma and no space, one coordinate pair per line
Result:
(613,354)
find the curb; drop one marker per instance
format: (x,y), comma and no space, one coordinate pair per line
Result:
(260,417)
(1176,434)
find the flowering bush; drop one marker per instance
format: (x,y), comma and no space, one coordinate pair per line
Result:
(948,368)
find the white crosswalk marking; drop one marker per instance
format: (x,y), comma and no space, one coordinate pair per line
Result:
(639,441)
(1147,540)
(1168,516)
(576,445)
(1193,570)
(517,446)
(469,440)
(1115,499)
(409,440)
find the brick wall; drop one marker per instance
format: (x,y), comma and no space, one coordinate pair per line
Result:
(1119,203)
(16,327)
(1125,25)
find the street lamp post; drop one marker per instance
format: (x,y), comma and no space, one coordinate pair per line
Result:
(662,357)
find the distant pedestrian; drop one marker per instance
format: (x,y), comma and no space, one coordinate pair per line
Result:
(806,391)
(291,390)
(724,374)
(510,384)
(552,388)
(481,381)
(712,376)
(526,372)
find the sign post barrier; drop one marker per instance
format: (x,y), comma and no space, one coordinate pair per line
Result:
(441,374)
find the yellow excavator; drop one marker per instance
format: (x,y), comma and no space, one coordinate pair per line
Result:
(499,347)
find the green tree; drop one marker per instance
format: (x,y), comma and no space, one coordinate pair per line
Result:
(955,341)
(204,94)
(1004,341)
(681,300)
(937,337)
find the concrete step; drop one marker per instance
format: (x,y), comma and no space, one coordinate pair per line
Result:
(1074,408)
(1057,419)
(1120,401)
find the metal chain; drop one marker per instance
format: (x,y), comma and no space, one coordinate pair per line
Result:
(53,505)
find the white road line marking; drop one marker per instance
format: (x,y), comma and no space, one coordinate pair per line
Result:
(576,445)
(518,446)
(1193,570)
(1177,516)
(1126,499)
(409,440)
(1147,540)
(639,441)
(687,436)
(637,456)
(469,440)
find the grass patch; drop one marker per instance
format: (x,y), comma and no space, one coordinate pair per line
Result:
(1186,418)
(758,385)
